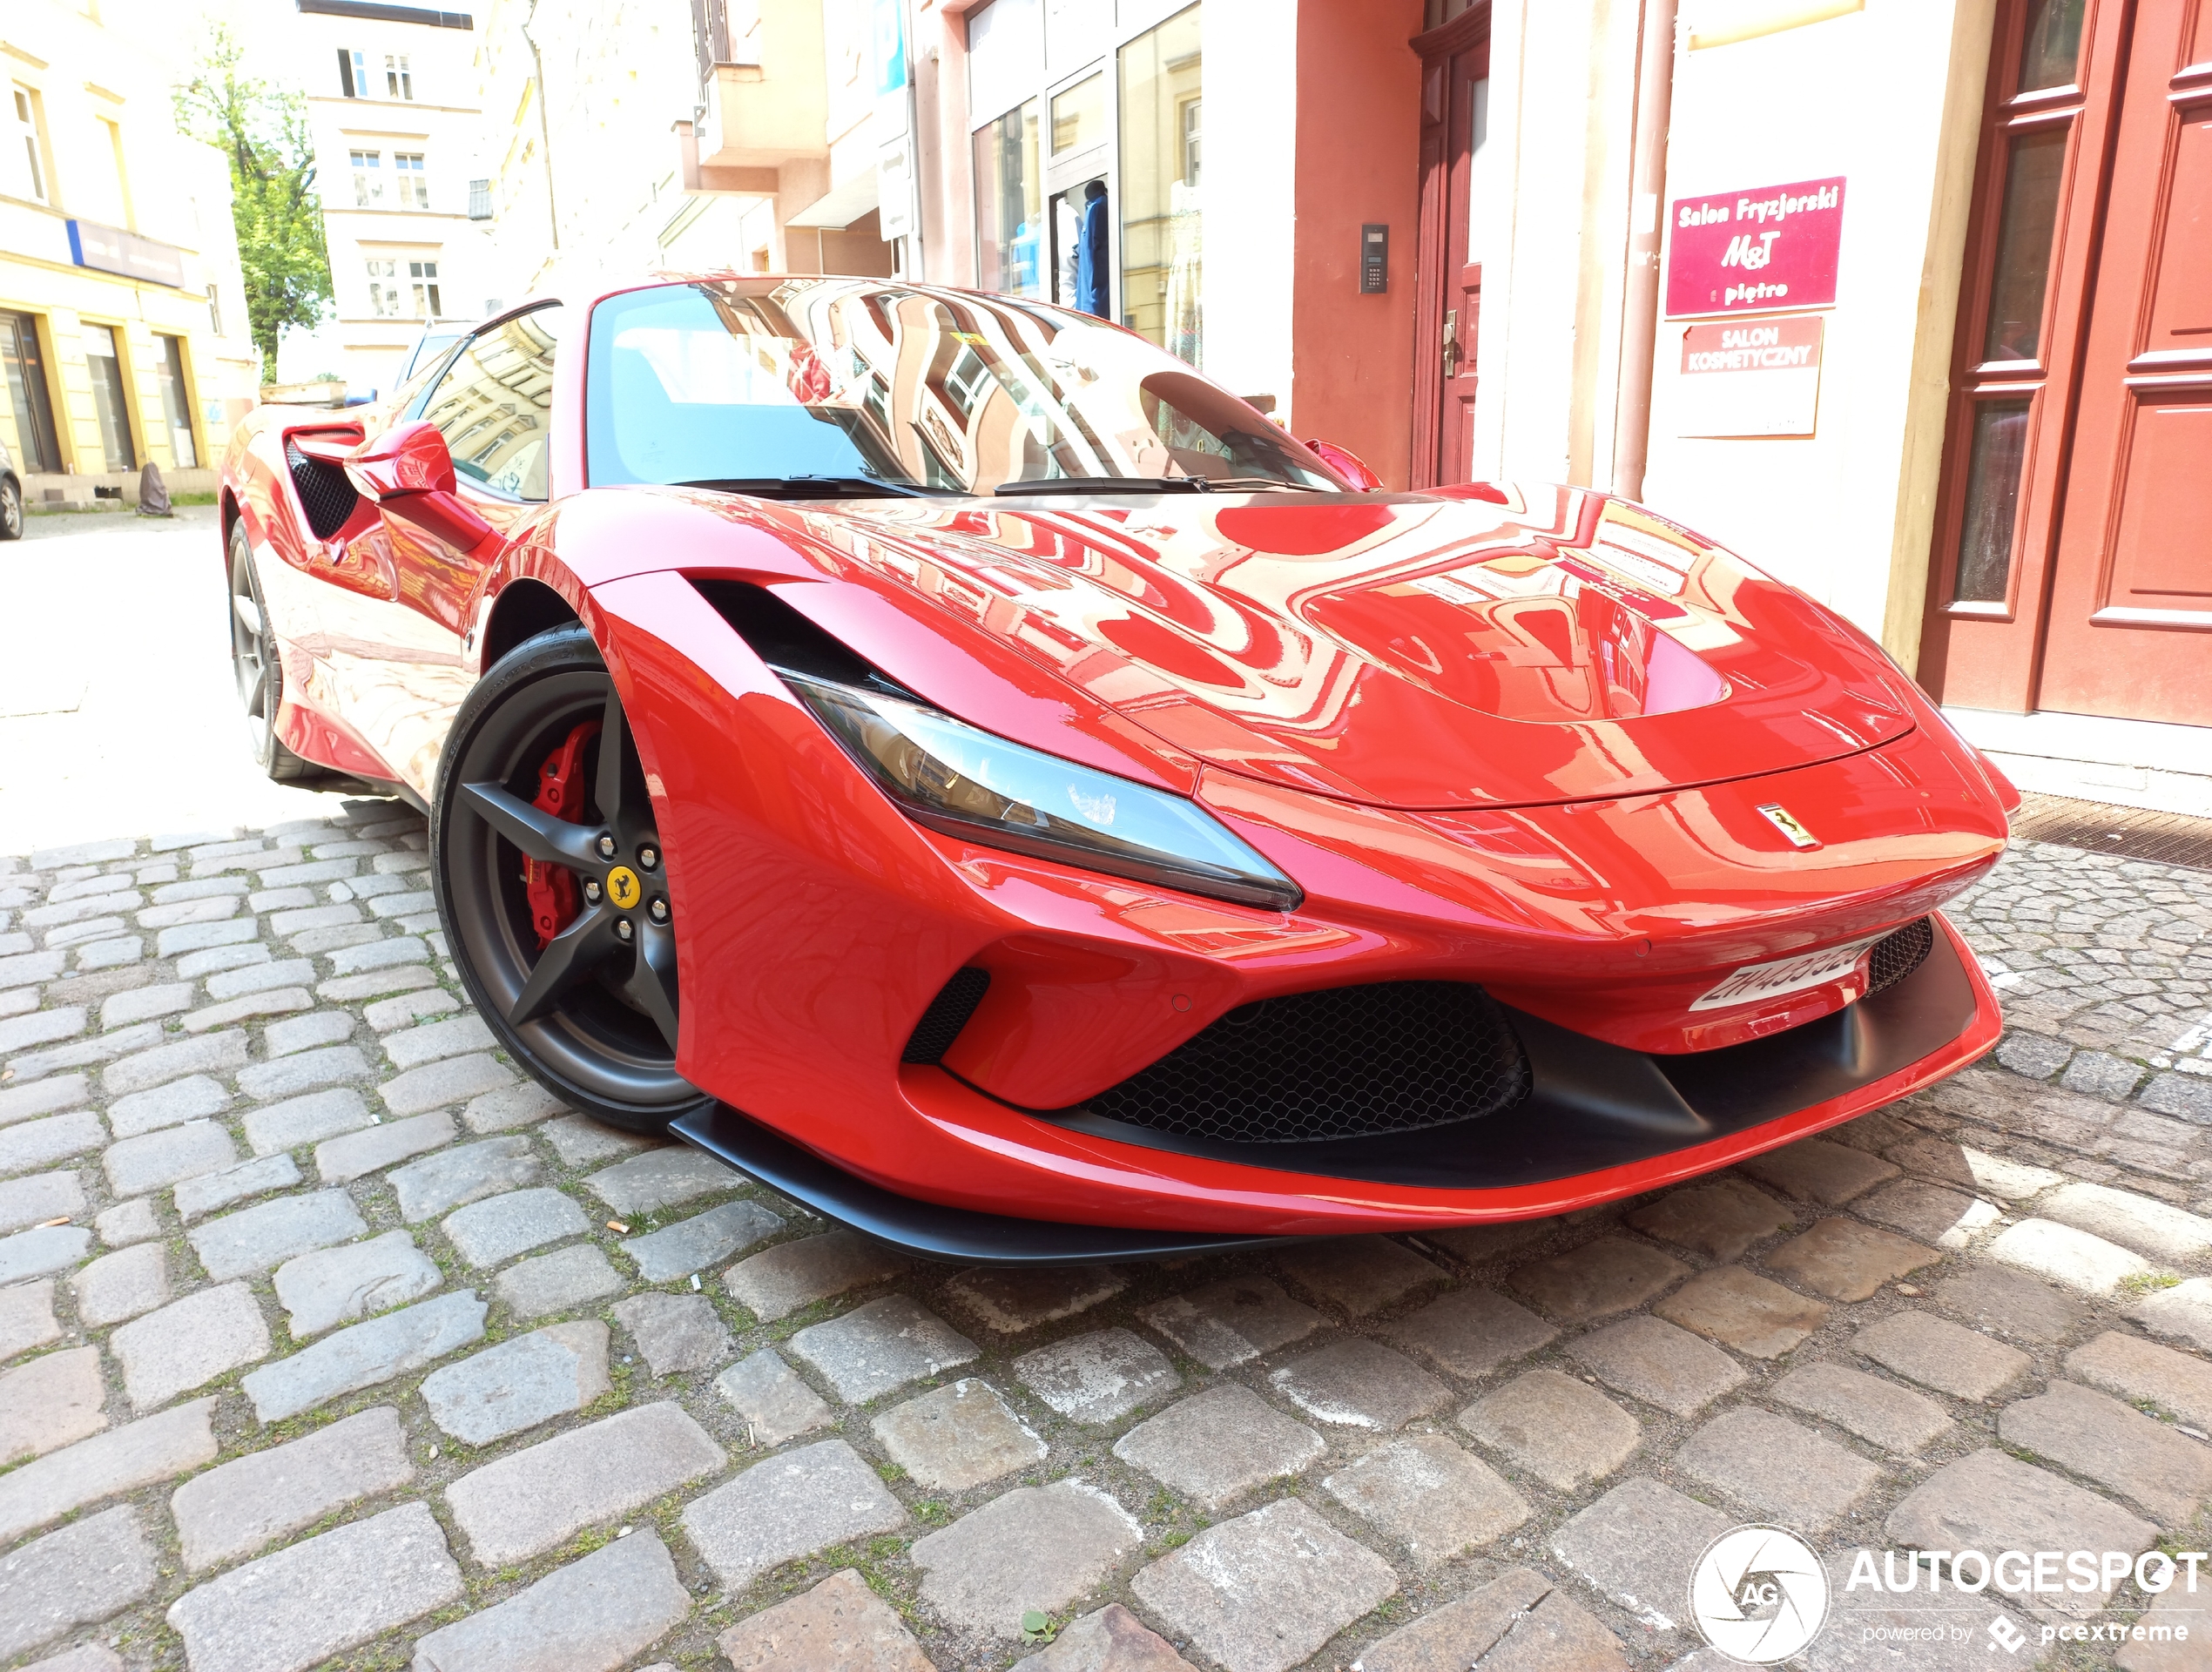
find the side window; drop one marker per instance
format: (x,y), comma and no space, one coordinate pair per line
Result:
(495,404)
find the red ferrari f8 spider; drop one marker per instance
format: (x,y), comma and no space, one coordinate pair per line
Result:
(942,755)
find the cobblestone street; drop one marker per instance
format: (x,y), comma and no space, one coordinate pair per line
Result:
(325,1337)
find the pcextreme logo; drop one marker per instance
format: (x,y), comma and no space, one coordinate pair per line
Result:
(1759,1593)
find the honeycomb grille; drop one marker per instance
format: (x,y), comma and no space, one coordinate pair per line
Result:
(948,1013)
(324,494)
(1898,955)
(1350,1061)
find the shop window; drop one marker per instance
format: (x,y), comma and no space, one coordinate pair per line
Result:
(2033,163)
(368,178)
(1079,116)
(176,403)
(383,287)
(1162,220)
(1005,53)
(1993,464)
(29,395)
(423,275)
(407,174)
(110,397)
(2053,46)
(34,154)
(1009,206)
(399,80)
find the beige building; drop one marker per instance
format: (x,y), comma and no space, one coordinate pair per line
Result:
(623,136)
(392,107)
(123,329)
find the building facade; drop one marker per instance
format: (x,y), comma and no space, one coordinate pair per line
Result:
(123,329)
(1907,300)
(391,105)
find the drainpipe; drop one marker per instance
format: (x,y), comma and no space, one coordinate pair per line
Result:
(545,133)
(1647,203)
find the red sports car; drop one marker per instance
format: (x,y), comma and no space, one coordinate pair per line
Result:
(942,755)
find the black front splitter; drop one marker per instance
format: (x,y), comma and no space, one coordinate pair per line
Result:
(927,1230)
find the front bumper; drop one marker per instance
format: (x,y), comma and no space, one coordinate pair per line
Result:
(1599,1123)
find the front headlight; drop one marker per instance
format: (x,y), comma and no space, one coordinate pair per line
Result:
(952,777)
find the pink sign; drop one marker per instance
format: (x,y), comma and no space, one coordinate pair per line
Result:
(1755,252)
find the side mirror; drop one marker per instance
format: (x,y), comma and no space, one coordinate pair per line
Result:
(408,472)
(1346,464)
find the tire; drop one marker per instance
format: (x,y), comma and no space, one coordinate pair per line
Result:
(10,510)
(260,670)
(591,1014)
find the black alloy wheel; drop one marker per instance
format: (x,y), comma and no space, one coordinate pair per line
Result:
(590,1012)
(260,670)
(10,510)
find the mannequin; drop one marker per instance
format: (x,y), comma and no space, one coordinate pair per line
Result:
(1090,252)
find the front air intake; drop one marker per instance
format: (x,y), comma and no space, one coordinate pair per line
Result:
(1897,954)
(1350,1061)
(948,1013)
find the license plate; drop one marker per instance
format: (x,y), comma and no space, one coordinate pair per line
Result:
(1757,982)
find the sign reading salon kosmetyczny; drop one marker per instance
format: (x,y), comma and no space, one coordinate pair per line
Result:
(1768,249)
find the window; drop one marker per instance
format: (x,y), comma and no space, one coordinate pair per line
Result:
(176,402)
(383,288)
(368,179)
(1162,248)
(1009,205)
(27,114)
(495,403)
(398,82)
(414,190)
(29,397)
(353,74)
(215,310)
(424,276)
(1079,116)
(111,402)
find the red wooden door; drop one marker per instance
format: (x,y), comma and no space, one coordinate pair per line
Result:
(2130,629)
(2045,160)
(1454,107)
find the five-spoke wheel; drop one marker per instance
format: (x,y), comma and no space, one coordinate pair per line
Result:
(259,668)
(554,885)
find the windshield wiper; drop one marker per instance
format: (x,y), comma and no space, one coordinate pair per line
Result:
(1153,485)
(811,486)
(1105,485)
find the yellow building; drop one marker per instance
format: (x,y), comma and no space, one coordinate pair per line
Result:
(122,328)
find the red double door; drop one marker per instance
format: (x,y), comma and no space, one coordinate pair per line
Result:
(2072,566)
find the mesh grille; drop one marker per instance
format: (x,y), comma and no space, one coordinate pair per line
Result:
(324,494)
(948,1013)
(1898,955)
(1348,1063)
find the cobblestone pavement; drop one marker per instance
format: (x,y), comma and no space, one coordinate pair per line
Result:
(326,1337)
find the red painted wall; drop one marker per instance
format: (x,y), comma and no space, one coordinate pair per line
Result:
(1357,160)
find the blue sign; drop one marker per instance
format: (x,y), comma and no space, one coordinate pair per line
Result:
(890,47)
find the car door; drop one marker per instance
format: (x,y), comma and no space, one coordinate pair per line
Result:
(404,668)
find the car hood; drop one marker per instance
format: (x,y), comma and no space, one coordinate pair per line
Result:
(1485,646)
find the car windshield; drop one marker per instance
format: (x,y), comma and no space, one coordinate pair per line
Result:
(827,386)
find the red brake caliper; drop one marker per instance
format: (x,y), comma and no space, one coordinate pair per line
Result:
(560,791)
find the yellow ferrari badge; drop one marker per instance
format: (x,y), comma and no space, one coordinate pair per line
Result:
(623,888)
(1785,821)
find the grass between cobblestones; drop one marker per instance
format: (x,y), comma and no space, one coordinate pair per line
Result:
(2102,963)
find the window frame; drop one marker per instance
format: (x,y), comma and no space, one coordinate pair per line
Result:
(435,378)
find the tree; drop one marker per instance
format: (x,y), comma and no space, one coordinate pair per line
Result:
(273,203)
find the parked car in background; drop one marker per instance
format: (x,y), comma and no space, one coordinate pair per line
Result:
(942,754)
(11,496)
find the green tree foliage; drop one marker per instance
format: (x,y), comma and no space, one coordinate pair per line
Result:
(264,133)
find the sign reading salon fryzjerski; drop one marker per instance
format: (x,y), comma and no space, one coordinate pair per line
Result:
(1770,249)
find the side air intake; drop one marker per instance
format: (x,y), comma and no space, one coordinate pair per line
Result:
(1350,1061)
(948,1013)
(324,493)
